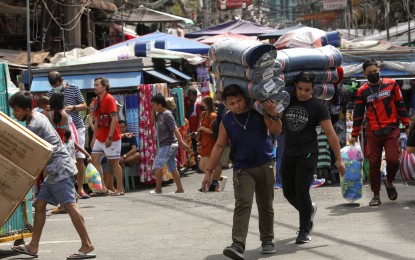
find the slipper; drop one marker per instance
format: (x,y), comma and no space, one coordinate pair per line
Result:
(81,255)
(22,249)
(392,193)
(153,192)
(59,210)
(84,196)
(119,193)
(375,202)
(98,194)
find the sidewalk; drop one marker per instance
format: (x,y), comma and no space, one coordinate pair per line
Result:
(196,225)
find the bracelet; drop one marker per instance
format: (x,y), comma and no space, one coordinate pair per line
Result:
(73,108)
(212,171)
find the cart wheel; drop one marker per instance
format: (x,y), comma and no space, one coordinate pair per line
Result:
(19,242)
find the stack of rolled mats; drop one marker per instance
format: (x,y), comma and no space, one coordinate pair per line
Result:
(251,65)
(324,62)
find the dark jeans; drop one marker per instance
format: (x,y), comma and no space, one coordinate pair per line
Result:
(297,174)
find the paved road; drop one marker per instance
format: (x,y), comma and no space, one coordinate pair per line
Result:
(198,226)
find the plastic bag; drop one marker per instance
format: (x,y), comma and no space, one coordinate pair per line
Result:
(351,183)
(93,178)
(408,167)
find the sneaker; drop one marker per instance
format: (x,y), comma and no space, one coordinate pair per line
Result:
(303,237)
(222,182)
(235,251)
(317,182)
(313,214)
(268,247)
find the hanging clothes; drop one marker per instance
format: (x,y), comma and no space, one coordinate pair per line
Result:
(179,103)
(132,116)
(121,101)
(147,144)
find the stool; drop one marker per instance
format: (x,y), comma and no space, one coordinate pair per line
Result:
(130,171)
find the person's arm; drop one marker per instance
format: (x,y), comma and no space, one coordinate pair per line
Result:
(272,120)
(207,129)
(82,150)
(94,136)
(358,115)
(91,122)
(215,155)
(114,122)
(334,144)
(180,140)
(401,108)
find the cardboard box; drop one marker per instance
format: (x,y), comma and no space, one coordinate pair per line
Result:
(23,155)
(22,147)
(13,179)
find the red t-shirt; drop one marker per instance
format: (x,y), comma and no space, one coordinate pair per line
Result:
(107,105)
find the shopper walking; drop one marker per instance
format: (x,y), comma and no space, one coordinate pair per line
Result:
(380,104)
(253,167)
(300,153)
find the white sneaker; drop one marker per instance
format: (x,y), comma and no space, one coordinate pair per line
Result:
(222,182)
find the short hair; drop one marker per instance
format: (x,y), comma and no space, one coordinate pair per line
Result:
(232,90)
(306,76)
(54,77)
(21,99)
(104,82)
(192,91)
(89,101)
(43,101)
(122,122)
(68,133)
(368,63)
(159,99)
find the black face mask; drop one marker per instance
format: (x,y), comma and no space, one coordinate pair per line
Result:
(373,77)
(202,108)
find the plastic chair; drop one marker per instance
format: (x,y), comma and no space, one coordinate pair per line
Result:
(130,171)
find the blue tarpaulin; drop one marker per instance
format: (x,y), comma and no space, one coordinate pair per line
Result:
(172,43)
(85,82)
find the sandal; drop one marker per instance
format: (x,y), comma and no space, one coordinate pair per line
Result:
(59,210)
(118,193)
(98,194)
(392,193)
(375,202)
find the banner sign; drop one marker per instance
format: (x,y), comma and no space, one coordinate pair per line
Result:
(334,4)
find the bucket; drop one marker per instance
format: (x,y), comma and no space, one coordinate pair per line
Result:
(331,38)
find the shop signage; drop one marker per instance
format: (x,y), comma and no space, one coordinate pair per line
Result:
(334,4)
(232,4)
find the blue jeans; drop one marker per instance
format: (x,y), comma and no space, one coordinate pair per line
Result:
(166,155)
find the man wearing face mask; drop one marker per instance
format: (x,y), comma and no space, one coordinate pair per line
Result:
(74,103)
(382,100)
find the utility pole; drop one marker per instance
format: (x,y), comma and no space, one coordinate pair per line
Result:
(29,59)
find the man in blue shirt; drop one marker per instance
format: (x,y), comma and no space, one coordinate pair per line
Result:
(253,166)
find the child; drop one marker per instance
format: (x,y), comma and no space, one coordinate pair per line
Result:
(42,104)
(58,187)
(71,147)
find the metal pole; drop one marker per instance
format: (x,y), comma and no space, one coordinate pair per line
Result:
(63,41)
(29,59)
(88,27)
(122,23)
(409,32)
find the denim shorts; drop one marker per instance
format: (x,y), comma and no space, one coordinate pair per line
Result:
(61,193)
(166,155)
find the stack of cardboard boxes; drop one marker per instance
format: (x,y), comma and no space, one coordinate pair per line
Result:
(23,155)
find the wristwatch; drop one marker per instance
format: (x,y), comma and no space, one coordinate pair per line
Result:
(124,156)
(275,117)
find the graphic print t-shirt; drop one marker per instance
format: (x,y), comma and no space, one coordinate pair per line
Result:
(300,120)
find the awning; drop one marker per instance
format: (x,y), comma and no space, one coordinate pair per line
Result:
(85,82)
(179,73)
(161,76)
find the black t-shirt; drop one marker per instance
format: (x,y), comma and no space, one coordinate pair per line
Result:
(127,143)
(300,120)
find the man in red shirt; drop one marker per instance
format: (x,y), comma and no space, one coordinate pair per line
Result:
(107,136)
(382,100)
